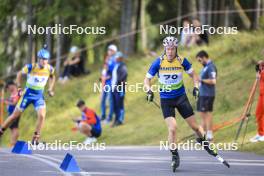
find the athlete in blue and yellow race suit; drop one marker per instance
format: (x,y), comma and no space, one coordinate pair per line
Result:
(170,67)
(37,77)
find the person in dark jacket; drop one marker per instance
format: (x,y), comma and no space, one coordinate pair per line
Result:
(119,78)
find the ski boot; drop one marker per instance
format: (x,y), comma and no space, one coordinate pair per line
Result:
(175,160)
(206,145)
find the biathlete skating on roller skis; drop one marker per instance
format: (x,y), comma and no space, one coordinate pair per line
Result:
(170,67)
(38,75)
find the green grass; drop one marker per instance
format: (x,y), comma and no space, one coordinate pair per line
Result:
(234,57)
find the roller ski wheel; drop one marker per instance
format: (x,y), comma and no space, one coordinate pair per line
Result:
(175,162)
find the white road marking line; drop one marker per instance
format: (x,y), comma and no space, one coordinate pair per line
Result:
(83,173)
(108,173)
(246,160)
(246,164)
(131,147)
(231,163)
(48,171)
(124,161)
(122,157)
(48,157)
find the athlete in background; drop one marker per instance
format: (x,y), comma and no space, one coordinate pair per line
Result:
(11,102)
(37,77)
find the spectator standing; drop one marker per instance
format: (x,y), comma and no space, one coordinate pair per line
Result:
(119,78)
(106,78)
(260,105)
(207,92)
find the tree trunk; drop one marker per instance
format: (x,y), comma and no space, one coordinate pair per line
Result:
(255,24)
(59,46)
(143,26)
(209,15)
(202,7)
(138,19)
(127,42)
(48,39)
(221,16)
(192,8)
(215,16)
(179,13)
(226,16)
(30,36)
(230,16)
(262,7)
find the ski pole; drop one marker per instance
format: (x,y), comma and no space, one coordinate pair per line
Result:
(248,104)
(155,103)
(219,158)
(245,132)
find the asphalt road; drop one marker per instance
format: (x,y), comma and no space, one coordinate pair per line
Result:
(129,161)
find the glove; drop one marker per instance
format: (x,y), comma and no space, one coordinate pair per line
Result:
(195,92)
(51,93)
(35,139)
(150,96)
(257,68)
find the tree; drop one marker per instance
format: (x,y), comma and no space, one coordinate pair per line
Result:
(30,36)
(257,4)
(126,42)
(202,7)
(191,8)
(143,26)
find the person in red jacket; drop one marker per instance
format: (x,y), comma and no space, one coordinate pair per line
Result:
(260,105)
(89,123)
(11,102)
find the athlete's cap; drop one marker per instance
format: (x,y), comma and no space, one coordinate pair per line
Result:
(43,54)
(112,47)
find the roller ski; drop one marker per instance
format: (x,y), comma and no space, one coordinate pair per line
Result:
(205,144)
